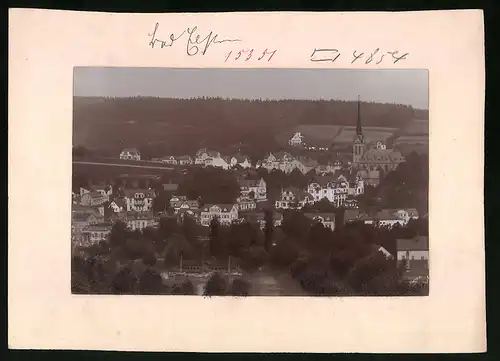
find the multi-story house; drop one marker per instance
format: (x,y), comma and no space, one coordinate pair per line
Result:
(326,219)
(413,257)
(405,214)
(118,205)
(294,198)
(184,160)
(226,213)
(82,216)
(140,220)
(246,204)
(130,153)
(297,140)
(105,189)
(184,205)
(337,188)
(303,164)
(203,156)
(253,189)
(240,160)
(383,218)
(93,199)
(277,161)
(139,200)
(95,233)
(170,160)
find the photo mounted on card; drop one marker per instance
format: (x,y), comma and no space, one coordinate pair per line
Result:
(242,184)
(185,182)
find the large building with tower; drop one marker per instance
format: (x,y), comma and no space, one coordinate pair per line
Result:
(373,156)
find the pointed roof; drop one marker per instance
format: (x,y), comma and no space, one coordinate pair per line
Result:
(359,130)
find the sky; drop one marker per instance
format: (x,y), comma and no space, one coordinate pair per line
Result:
(401,86)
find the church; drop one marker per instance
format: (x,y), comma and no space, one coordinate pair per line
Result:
(373,156)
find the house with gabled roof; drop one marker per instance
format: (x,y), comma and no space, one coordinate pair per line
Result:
(240,160)
(93,198)
(326,219)
(130,153)
(293,198)
(255,189)
(138,200)
(225,213)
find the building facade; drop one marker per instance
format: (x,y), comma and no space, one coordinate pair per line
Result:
(130,153)
(225,213)
(139,200)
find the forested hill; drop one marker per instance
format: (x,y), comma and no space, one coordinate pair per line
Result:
(160,126)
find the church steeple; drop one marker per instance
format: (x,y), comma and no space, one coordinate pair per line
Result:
(359,130)
(359,140)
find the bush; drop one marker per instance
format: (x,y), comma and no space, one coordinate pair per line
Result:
(216,286)
(240,287)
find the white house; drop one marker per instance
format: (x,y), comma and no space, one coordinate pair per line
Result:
(118,205)
(95,233)
(240,160)
(130,153)
(384,218)
(293,198)
(278,161)
(184,205)
(226,213)
(254,189)
(405,214)
(203,155)
(184,160)
(326,219)
(104,189)
(169,160)
(140,220)
(139,200)
(246,204)
(93,199)
(296,140)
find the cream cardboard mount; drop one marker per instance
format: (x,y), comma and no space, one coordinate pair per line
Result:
(45,46)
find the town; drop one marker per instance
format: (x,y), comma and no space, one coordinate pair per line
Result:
(306,220)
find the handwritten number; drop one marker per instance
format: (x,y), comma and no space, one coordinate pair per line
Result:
(249,55)
(381,58)
(397,58)
(238,56)
(370,58)
(267,53)
(227,56)
(356,57)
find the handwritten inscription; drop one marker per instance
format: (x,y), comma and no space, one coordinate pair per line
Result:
(247,54)
(376,56)
(194,42)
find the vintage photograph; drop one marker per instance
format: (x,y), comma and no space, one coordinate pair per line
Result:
(250,182)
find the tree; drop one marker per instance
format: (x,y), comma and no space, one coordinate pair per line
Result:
(177,247)
(150,283)
(149,259)
(162,201)
(119,234)
(187,288)
(210,185)
(240,287)
(125,282)
(215,235)
(216,286)
(374,275)
(268,228)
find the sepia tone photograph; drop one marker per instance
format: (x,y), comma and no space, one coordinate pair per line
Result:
(250,182)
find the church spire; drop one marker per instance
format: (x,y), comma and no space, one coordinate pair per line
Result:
(359,131)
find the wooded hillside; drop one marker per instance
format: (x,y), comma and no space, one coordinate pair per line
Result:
(160,126)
